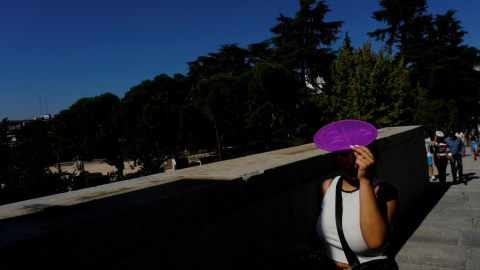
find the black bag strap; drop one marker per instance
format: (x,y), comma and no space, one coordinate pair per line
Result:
(351,257)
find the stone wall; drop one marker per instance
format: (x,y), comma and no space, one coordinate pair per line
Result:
(245,213)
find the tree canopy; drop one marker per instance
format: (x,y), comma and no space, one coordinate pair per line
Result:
(237,101)
(432,49)
(372,87)
(302,44)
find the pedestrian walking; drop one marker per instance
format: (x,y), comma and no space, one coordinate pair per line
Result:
(457,149)
(441,155)
(428,148)
(474,141)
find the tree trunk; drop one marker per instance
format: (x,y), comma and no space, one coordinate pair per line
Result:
(120,167)
(270,132)
(219,144)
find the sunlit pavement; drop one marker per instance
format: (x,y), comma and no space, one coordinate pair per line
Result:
(444,230)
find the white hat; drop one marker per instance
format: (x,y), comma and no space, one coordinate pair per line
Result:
(439,133)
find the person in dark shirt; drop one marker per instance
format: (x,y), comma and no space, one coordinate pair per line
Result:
(457,149)
(441,155)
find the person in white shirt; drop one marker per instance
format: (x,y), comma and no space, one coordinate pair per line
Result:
(428,148)
(367,204)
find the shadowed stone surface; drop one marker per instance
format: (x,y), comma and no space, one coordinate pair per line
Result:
(244,213)
(447,230)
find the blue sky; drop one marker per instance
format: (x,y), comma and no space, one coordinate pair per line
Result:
(54,52)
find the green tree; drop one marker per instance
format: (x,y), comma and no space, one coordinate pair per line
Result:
(372,87)
(443,65)
(34,147)
(146,149)
(437,114)
(151,115)
(26,175)
(77,128)
(301,44)
(432,49)
(230,59)
(273,99)
(174,92)
(445,68)
(111,137)
(6,157)
(218,101)
(407,23)
(195,131)
(259,52)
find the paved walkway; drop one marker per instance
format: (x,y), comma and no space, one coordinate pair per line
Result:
(444,232)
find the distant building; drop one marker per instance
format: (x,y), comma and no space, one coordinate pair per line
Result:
(316,85)
(43,117)
(11,126)
(16,124)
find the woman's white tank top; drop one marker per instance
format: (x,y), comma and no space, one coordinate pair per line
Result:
(327,229)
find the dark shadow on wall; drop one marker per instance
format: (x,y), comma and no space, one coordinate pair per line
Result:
(100,232)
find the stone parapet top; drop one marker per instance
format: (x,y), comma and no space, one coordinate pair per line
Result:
(208,213)
(240,168)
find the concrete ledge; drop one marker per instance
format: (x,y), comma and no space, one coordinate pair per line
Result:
(244,213)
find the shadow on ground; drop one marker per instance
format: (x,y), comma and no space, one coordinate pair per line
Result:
(405,228)
(469,177)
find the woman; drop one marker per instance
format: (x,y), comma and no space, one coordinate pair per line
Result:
(473,141)
(369,204)
(441,154)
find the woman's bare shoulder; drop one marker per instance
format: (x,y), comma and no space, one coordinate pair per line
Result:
(325,185)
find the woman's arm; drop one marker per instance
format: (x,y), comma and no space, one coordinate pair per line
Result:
(377,206)
(377,214)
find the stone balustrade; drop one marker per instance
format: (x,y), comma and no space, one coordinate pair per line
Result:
(244,213)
